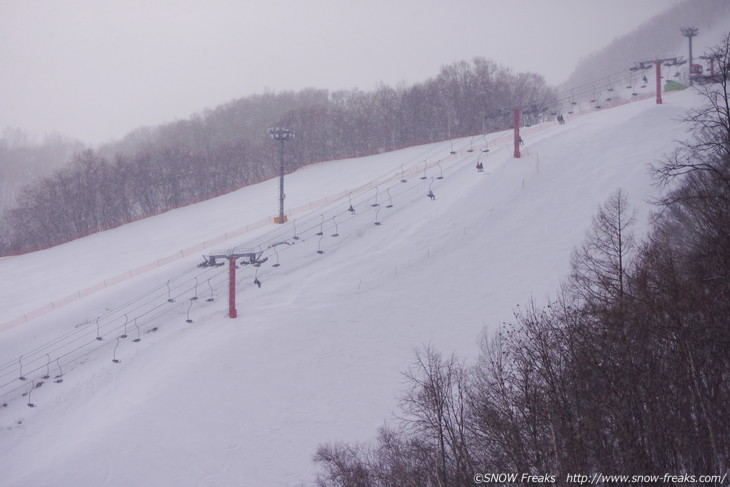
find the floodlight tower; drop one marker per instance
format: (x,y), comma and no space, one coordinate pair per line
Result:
(516,131)
(281,135)
(689,33)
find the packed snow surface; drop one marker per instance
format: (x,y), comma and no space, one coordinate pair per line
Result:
(317,352)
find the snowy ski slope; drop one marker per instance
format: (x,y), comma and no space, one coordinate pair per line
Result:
(317,351)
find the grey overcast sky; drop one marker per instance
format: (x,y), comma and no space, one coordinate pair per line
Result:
(96,69)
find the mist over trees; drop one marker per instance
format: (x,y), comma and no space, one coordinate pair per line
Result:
(658,37)
(627,371)
(156,169)
(23,159)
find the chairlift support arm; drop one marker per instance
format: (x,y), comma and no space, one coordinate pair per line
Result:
(248,257)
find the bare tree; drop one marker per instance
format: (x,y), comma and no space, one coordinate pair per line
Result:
(708,148)
(599,268)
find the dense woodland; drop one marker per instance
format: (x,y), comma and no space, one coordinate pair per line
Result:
(23,159)
(627,371)
(153,170)
(660,36)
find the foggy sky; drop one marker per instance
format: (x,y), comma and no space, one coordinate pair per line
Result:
(95,69)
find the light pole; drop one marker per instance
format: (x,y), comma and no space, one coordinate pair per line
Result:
(517,137)
(281,135)
(690,32)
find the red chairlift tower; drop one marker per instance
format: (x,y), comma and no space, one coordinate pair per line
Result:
(673,61)
(532,111)
(698,73)
(253,258)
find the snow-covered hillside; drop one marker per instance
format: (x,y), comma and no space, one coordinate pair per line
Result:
(317,351)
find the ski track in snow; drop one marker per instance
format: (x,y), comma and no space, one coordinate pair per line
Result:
(317,353)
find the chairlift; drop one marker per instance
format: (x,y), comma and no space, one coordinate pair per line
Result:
(59,377)
(256,278)
(210,299)
(126,320)
(138,339)
(195,291)
(632,86)
(114,356)
(188,320)
(430,193)
(319,246)
(377,190)
(276,253)
(30,404)
(610,89)
(48,367)
(596,99)
(351,209)
(169,291)
(573,103)
(21,376)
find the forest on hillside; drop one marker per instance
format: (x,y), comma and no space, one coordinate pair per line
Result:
(47,197)
(625,373)
(660,36)
(156,169)
(23,159)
